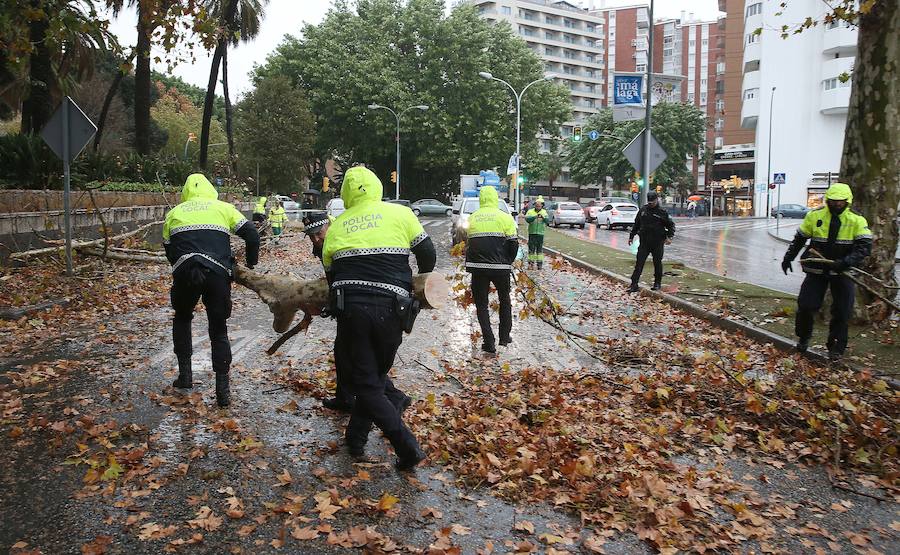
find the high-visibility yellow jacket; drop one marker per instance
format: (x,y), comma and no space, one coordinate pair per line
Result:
(260,206)
(849,246)
(277,217)
(492,242)
(197,231)
(368,245)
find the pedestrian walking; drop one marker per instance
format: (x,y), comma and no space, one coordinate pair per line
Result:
(315,225)
(692,209)
(842,236)
(259,209)
(490,251)
(278,218)
(536,219)
(655,229)
(366,259)
(196,237)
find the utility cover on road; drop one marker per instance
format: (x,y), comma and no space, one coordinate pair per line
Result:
(633,153)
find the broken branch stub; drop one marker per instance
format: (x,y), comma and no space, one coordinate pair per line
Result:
(285,295)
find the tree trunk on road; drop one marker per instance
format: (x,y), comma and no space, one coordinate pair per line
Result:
(871,158)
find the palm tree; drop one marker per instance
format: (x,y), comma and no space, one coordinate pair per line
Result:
(239,22)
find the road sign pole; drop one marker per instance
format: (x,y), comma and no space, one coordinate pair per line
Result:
(67,219)
(649,99)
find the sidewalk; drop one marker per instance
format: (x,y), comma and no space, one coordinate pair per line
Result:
(771,310)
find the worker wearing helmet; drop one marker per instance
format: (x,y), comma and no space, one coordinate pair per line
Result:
(841,236)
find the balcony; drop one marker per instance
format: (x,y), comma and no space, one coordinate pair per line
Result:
(752,52)
(835,102)
(839,39)
(751,81)
(643,19)
(750,106)
(753,23)
(836,66)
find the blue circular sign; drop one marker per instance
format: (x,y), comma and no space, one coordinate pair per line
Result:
(594,135)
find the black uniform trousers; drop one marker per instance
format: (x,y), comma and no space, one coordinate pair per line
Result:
(189,286)
(645,249)
(481,286)
(809,301)
(343,390)
(369,334)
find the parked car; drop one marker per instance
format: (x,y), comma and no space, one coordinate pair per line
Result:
(565,213)
(289,204)
(620,214)
(335,207)
(596,205)
(431,207)
(790,211)
(459,227)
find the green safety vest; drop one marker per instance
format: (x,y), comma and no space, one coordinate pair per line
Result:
(536,226)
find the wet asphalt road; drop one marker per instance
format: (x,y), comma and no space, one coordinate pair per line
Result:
(737,248)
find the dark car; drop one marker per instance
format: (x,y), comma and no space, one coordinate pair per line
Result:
(790,211)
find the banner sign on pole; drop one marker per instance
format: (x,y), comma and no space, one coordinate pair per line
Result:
(627,89)
(513,165)
(628,113)
(665,88)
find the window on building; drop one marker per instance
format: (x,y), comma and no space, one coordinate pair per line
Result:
(720,142)
(720,67)
(566,176)
(549,51)
(703,98)
(568,23)
(667,52)
(830,83)
(692,43)
(754,9)
(640,68)
(704,43)
(590,28)
(752,38)
(690,97)
(720,105)
(720,124)
(750,94)
(703,83)
(720,87)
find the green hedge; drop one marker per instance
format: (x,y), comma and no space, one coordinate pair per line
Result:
(137,187)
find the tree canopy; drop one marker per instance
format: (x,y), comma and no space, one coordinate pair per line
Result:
(400,54)
(679,128)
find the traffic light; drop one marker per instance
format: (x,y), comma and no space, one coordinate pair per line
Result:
(659,188)
(640,183)
(634,187)
(521,179)
(394,176)
(325,183)
(576,133)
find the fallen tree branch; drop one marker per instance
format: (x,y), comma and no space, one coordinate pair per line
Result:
(302,326)
(126,257)
(76,246)
(16,313)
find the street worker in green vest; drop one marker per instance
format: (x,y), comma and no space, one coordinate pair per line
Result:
(536,219)
(491,248)
(366,259)
(259,209)
(197,239)
(277,217)
(841,236)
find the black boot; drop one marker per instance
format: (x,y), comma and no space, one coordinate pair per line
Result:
(223,394)
(656,286)
(410,460)
(402,404)
(803,345)
(341,405)
(185,376)
(633,288)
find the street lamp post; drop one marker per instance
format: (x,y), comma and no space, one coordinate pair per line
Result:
(769,168)
(397,137)
(645,166)
(518,95)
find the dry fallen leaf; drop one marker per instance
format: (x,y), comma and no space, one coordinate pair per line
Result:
(305,533)
(387,502)
(284,478)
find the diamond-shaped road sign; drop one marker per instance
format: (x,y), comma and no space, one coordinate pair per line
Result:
(81,130)
(633,153)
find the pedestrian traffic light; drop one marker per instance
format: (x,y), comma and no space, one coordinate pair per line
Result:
(394,176)
(325,183)
(576,134)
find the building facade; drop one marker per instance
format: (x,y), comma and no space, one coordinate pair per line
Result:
(797,83)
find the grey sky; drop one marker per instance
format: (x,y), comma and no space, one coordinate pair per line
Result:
(288,16)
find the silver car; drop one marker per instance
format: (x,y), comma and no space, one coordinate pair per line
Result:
(566,213)
(459,228)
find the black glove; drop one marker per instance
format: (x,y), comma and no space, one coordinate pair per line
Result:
(325,313)
(840,265)
(785,266)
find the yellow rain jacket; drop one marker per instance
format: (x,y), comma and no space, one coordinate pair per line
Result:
(492,243)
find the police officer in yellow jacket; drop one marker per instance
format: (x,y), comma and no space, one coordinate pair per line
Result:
(259,209)
(197,240)
(366,259)
(491,248)
(842,236)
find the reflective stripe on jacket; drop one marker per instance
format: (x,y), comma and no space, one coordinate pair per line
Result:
(535,225)
(198,230)
(851,244)
(492,241)
(369,244)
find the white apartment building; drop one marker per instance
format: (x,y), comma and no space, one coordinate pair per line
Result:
(809,104)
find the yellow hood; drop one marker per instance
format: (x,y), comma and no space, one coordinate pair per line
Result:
(198,187)
(839,191)
(360,185)
(487,197)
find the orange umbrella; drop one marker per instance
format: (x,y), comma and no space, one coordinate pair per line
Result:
(695,197)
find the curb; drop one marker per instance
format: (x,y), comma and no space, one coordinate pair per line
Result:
(777,238)
(757,333)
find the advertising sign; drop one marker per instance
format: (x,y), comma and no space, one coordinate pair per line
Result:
(627,89)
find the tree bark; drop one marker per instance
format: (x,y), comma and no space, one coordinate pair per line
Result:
(871,157)
(38,105)
(208,102)
(228,112)
(286,294)
(110,95)
(48,250)
(142,83)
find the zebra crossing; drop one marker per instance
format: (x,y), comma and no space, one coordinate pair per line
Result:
(730,224)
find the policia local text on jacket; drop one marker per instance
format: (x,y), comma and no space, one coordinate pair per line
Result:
(366,259)
(654,226)
(537,220)
(838,234)
(196,236)
(491,248)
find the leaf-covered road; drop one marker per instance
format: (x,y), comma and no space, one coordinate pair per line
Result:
(670,435)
